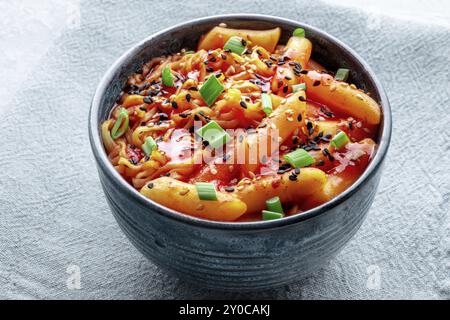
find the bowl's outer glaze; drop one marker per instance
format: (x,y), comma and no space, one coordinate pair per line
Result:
(237,256)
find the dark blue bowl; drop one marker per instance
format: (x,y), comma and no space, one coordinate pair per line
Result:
(247,255)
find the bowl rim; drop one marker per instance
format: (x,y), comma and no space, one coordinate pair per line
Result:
(134,195)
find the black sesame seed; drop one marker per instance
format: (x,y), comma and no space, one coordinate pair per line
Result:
(310,127)
(153,93)
(196,117)
(142,108)
(297,171)
(148,100)
(304,72)
(302,98)
(244,43)
(205,143)
(223,56)
(204,115)
(163,116)
(350,125)
(209,69)
(174,105)
(299,117)
(293,177)
(327,113)
(285,89)
(268,63)
(243,104)
(288,78)
(284,168)
(193,89)
(150,185)
(316,83)
(241,138)
(213,59)
(229,189)
(320,163)
(263,125)
(188,97)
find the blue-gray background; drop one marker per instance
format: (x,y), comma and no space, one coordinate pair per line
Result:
(52,210)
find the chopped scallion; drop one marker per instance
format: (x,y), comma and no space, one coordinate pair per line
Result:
(266,101)
(340,140)
(342,74)
(299,32)
(270,215)
(148,146)
(213,133)
(298,87)
(274,205)
(167,77)
(206,191)
(299,158)
(236,45)
(121,124)
(211,90)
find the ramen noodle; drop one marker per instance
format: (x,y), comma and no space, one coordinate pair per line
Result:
(242,129)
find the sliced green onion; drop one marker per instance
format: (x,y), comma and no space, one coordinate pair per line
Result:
(206,191)
(236,45)
(189,52)
(340,140)
(274,205)
(299,32)
(121,124)
(270,215)
(299,158)
(342,74)
(148,146)
(298,87)
(266,101)
(213,133)
(167,77)
(211,90)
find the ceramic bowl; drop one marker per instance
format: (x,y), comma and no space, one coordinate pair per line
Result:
(248,255)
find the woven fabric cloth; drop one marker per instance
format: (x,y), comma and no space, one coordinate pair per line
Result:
(54,217)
